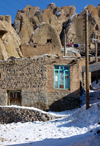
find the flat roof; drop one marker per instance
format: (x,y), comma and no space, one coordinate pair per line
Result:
(92,67)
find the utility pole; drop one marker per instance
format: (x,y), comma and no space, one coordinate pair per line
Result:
(64,42)
(96,53)
(95,48)
(87,60)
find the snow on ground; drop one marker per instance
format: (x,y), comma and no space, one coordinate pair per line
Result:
(78,127)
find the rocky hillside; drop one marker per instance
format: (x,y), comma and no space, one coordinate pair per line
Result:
(75,27)
(28,19)
(36,28)
(9,40)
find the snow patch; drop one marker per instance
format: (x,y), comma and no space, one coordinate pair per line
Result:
(70,21)
(72,128)
(52,3)
(5,42)
(85,7)
(16,24)
(38,10)
(58,13)
(89,13)
(38,27)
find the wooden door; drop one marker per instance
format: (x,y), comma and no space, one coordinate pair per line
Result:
(14,97)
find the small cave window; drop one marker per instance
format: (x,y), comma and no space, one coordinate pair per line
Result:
(34,46)
(49,41)
(99,12)
(0,75)
(96,28)
(50,21)
(29,9)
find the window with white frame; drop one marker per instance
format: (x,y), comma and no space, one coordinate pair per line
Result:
(61,77)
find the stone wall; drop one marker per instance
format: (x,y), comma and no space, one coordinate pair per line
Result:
(28,76)
(13,114)
(34,78)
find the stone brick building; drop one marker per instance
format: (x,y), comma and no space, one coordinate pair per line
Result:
(46,82)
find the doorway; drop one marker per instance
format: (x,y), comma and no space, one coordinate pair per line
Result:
(14,97)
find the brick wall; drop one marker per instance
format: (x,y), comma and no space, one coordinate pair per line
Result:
(68,98)
(35,49)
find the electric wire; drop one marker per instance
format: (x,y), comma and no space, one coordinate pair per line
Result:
(20,3)
(10,5)
(42,2)
(29,2)
(6,10)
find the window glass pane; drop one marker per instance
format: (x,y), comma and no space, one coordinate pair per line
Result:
(66,68)
(61,67)
(56,72)
(56,78)
(56,81)
(56,67)
(61,77)
(66,73)
(16,95)
(56,84)
(66,82)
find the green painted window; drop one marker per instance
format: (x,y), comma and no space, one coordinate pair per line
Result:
(61,77)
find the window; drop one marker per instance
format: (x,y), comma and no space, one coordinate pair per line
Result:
(49,41)
(34,46)
(61,77)
(14,97)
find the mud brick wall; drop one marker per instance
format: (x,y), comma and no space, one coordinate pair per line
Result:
(63,98)
(35,49)
(27,75)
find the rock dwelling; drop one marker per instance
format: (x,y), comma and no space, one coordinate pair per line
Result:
(33,70)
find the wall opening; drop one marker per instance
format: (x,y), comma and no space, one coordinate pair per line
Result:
(14,97)
(34,46)
(49,41)
(97,27)
(99,12)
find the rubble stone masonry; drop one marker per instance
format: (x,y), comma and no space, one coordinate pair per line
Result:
(27,75)
(35,79)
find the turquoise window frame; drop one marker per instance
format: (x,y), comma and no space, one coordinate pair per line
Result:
(61,68)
